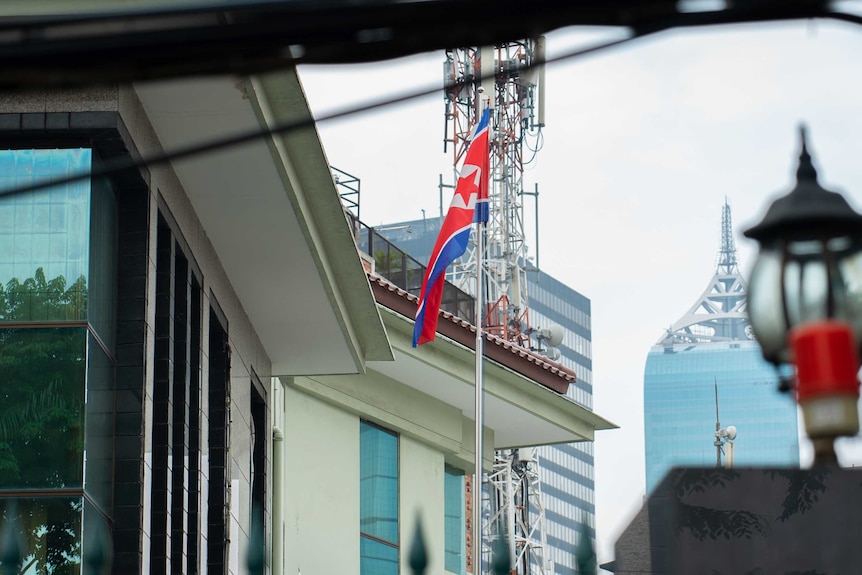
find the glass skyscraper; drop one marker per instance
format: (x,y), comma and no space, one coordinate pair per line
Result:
(708,372)
(567,471)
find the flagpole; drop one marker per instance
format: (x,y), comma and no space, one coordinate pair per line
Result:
(476,490)
(471,190)
(481,224)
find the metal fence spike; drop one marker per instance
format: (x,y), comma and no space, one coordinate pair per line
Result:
(585,555)
(11,543)
(501,563)
(97,549)
(256,557)
(418,557)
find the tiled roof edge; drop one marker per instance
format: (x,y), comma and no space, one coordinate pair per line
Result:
(543,371)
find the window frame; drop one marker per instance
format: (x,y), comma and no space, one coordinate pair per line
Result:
(451,471)
(368,536)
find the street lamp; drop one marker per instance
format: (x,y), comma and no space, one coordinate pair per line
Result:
(805,300)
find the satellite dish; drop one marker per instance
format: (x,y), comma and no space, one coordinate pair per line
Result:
(731,432)
(553,334)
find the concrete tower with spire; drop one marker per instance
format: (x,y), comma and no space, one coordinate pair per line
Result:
(711,346)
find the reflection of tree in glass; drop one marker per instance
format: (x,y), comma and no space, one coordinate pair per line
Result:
(42,378)
(803,489)
(42,388)
(391,265)
(703,522)
(52,528)
(36,299)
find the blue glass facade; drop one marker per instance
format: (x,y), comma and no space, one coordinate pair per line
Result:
(57,259)
(567,471)
(454,523)
(679,408)
(378,500)
(708,360)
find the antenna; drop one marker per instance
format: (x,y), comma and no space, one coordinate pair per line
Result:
(717,429)
(513,89)
(723,437)
(727,261)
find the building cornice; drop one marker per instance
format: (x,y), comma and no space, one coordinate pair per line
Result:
(529,364)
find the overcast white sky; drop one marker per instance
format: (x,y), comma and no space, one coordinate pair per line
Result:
(643,144)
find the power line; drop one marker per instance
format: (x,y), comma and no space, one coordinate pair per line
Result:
(249,37)
(111,167)
(796,9)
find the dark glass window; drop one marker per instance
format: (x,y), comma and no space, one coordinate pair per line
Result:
(42,407)
(99,426)
(259,434)
(160,494)
(219,393)
(194,427)
(378,500)
(102,292)
(51,532)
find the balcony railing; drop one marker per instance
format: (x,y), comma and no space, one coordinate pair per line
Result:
(397,266)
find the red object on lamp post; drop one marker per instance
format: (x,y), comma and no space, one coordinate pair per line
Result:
(827,383)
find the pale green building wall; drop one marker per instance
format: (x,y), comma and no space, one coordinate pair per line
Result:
(422,497)
(320,487)
(320,492)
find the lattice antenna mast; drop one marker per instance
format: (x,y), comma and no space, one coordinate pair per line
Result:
(727,262)
(512,500)
(510,88)
(515,505)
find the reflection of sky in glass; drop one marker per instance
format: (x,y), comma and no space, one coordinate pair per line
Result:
(378,483)
(679,408)
(46,228)
(378,497)
(376,558)
(453,490)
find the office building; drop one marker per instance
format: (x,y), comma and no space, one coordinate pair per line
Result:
(707,370)
(567,476)
(139,338)
(183,396)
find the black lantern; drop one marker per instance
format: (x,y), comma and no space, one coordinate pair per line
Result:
(809,267)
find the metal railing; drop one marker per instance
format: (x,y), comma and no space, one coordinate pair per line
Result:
(394,264)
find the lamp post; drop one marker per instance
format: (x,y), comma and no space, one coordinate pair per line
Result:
(805,301)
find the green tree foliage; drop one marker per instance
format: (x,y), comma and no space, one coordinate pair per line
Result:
(42,379)
(52,528)
(37,299)
(708,523)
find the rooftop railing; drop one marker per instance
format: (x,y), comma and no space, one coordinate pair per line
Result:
(395,265)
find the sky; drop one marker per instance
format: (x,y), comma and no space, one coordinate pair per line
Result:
(643,144)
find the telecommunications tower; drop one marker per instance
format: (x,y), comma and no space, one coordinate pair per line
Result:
(506,79)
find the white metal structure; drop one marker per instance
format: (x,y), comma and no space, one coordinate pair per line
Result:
(518,509)
(509,85)
(720,313)
(504,79)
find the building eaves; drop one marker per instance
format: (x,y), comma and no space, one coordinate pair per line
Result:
(530,364)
